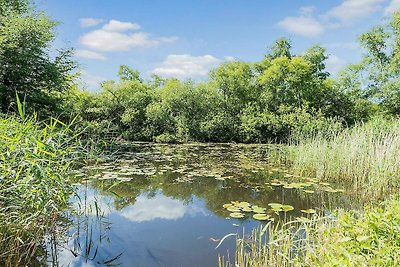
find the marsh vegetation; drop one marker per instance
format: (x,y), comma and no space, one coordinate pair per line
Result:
(306,170)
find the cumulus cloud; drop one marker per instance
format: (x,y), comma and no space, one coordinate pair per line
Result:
(393,7)
(185,66)
(159,207)
(348,11)
(82,53)
(119,26)
(307,10)
(351,10)
(117,36)
(302,25)
(89,22)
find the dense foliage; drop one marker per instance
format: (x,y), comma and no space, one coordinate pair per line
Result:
(281,97)
(25,64)
(34,161)
(241,102)
(368,238)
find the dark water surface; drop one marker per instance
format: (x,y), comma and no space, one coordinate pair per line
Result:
(162,205)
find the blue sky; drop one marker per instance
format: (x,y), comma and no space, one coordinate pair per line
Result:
(187,38)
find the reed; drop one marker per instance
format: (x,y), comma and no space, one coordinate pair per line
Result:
(34,161)
(367,238)
(365,157)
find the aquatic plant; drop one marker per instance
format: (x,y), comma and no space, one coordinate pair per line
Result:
(367,238)
(365,157)
(34,160)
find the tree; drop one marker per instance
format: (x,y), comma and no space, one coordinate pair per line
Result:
(25,65)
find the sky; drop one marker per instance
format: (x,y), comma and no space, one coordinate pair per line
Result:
(186,39)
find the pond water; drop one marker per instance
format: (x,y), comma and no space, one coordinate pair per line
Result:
(170,205)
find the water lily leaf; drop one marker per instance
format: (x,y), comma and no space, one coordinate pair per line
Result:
(247,209)
(275,205)
(276,184)
(261,216)
(309,191)
(233,209)
(257,209)
(236,215)
(225,206)
(309,211)
(287,208)
(243,204)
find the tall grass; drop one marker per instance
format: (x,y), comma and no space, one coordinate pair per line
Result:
(365,157)
(34,160)
(368,238)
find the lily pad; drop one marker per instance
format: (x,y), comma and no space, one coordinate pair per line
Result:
(225,206)
(309,211)
(257,209)
(275,205)
(261,216)
(247,209)
(237,215)
(243,204)
(309,191)
(233,209)
(287,208)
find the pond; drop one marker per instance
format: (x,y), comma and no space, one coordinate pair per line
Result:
(170,205)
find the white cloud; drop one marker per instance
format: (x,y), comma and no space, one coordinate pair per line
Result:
(307,10)
(335,64)
(351,10)
(119,26)
(185,66)
(159,207)
(115,36)
(89,22)
(302,25)
(82,53)
(343,14)
(393,7)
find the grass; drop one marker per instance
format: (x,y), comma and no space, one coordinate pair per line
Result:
(365,157)
(368,238)
(34,160)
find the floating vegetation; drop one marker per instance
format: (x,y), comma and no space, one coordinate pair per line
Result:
(309,211)
(257,209)
(236,215)
(277,207)
(262,217)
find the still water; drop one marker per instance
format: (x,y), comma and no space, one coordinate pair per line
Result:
(162,205)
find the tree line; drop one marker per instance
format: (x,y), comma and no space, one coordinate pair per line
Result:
(279,98)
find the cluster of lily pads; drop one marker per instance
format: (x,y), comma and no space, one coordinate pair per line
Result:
(306,185)
(240,209)
(185,162)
